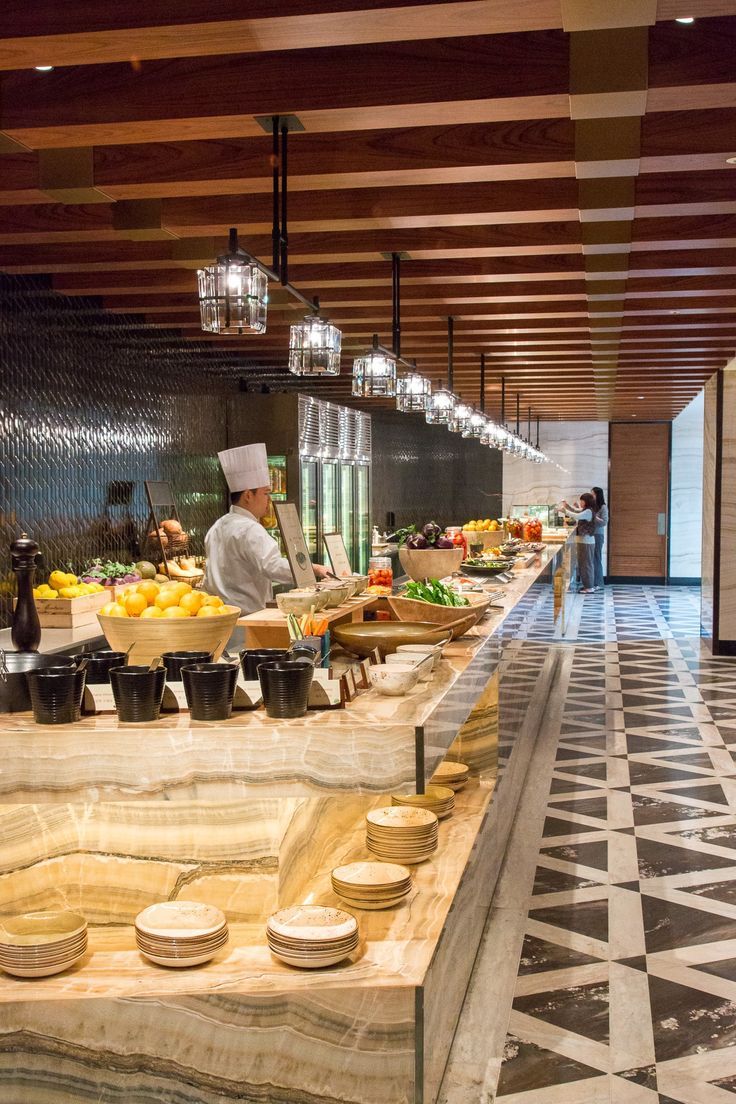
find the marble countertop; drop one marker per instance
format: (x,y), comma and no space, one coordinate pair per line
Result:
(58,640)
(396,946)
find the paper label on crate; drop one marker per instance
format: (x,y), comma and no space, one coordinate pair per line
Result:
(174,699)
(99,699)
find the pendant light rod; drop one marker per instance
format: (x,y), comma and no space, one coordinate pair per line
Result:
(503,400)
(482,404)
(518,409)
(410,365)
(396,303)
(450,349)
(529,425)
(537,444)
(284,267)
(276,227)
(273,274)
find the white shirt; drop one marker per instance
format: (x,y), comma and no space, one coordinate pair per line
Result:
(581,515)
(243,560)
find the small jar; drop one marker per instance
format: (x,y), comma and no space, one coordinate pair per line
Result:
(380,572)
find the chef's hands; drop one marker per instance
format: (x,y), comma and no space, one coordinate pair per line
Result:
(321,571)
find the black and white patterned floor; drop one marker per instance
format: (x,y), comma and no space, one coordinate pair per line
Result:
(626,985)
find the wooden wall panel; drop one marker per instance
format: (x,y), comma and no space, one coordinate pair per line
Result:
(639,497)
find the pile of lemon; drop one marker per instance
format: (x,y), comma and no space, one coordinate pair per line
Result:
(485,525)
(171,599)
(63,584)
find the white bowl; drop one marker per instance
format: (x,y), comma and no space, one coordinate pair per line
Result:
(393,679)
(423,663)
(434,650)
(337,593)
(300,602)
(180,920)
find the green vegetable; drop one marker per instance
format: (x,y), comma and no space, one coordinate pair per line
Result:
(435,592)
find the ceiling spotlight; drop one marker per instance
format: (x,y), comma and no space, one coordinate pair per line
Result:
(685,19)
(731,160)
(43,68)
(640,396)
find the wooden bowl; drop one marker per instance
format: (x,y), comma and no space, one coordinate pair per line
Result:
(153,636)
(486,537)
(456,619)
(430,563)
(363,637)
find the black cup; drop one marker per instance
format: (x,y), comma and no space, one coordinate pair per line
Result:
(56,694)
(174,661)
(251,657)
(301,650)
(138,692)
(99,665)
(285,687)
(210,689)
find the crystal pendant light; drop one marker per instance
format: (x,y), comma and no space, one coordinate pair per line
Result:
(459,421)
(441,406)
(233,293)
(478,422)
(413,394)
(374,376)
(314,347)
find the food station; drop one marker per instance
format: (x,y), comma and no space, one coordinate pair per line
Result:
(318,826)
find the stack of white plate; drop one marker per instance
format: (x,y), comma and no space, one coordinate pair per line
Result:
(401,833)
(310,936)
(180,933)
(371,885)
(454,775)
(439,799)
(38,944)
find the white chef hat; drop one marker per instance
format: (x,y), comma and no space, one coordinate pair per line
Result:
(246,467)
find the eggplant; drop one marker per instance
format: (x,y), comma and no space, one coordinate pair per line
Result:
(417,541)
(444,542)
(431,531)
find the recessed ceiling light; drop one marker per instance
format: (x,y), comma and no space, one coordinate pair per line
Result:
(633,415)
(685,19)
(43,68)
(731,160)
(640,396)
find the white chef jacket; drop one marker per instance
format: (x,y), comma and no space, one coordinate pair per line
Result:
(243,560)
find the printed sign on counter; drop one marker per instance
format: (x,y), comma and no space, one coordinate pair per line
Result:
(297,552)
(338,554)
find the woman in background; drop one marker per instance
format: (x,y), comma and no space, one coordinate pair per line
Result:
(601,521)
(584,539)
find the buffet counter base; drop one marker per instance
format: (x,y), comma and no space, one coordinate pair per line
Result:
(106,819)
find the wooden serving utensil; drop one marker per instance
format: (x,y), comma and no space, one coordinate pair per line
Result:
(127,654)
(155,662)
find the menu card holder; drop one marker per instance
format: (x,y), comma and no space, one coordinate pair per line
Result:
(98,698)
(338,554)
(297,552)
(248,695)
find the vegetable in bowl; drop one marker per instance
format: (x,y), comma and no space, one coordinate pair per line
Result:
(429,537)
(435,592)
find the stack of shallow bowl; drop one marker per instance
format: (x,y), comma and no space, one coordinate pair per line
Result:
(371,885)
(180,933)
(454,775)
(38,944)
(438,799)
(310,936)
(402,834)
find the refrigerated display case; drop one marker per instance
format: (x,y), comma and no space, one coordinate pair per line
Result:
(319,458)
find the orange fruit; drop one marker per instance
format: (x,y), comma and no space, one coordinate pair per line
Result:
(213,600)
(152,611)
(118,611)
(208,611)
(176,611)
(135,604)
(149,590)
(166,598)
(191,601)
(181,588)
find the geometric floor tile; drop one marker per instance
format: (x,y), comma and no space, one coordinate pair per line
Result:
(528,1067)
(586,918)
(668,924)
(582,1009)
(538,955)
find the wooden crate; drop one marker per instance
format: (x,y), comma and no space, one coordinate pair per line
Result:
(71,613)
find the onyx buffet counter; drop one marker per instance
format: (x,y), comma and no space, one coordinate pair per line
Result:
(251,815)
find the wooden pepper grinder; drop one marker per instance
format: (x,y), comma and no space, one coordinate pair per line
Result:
(25,631)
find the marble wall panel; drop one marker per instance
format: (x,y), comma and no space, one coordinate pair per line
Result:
(316,1047)
(727,579)
(579,451)
(710,435)
(686,491)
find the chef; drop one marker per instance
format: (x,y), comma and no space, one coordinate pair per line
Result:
(243,560)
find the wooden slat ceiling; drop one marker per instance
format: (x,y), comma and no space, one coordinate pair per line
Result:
(556,171)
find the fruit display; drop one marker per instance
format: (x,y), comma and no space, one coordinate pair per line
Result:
(169,532)
(435,592)
(63,584)
(112,573)
(532,530)
(487,525)
(170,600)
(430,536)
(515,528)
(184,568)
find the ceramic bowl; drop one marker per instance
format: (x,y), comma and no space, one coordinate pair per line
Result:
(423,663)
(361,582)
(394,679)
(430,563)
(433,650)
(179,919)
(337,593)
(363,637)
(300,602)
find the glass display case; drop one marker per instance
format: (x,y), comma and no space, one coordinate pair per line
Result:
(548,515)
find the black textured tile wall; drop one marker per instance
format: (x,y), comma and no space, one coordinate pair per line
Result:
(425,473)
(88,411)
